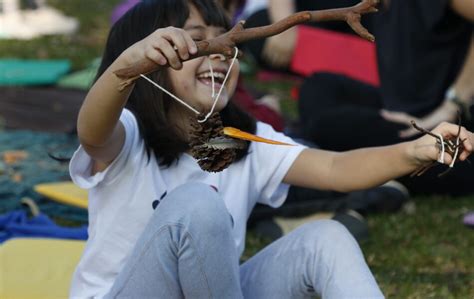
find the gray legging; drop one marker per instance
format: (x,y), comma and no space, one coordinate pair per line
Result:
(187,251)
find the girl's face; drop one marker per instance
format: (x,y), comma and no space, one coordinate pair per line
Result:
(193,82)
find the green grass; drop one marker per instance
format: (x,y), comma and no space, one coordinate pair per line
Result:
(427,254)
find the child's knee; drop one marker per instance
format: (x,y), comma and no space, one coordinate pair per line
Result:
(199,205)
(328,234)
(192,196)
(194,189)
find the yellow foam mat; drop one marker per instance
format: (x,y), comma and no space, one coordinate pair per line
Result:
(64,192)
(38,268)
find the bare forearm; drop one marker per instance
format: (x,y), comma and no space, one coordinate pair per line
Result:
(370,167)
(464,8)
(464,84)
(351,170)
(280,9)
(102,107)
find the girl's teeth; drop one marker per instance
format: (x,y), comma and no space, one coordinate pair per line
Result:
(217,76)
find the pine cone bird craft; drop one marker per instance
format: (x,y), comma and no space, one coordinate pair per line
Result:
(215,147)
(210,147)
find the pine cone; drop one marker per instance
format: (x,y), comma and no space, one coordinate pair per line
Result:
(209,159)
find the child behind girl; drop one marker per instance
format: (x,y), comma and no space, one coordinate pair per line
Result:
(159,226)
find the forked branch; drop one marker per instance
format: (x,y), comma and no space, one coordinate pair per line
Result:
(225,43)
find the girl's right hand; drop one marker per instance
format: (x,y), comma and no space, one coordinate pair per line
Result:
(424,150)
(168,45)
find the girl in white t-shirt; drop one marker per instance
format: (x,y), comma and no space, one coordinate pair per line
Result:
(159,226)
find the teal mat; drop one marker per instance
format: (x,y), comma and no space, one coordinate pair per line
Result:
(32,72)
(37,168)
(82,79)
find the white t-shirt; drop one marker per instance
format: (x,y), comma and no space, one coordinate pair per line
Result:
(121,197)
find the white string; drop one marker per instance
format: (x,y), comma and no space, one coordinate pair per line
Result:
(456,152)
(213,93)
(222,87)
(441,155)
(212,76)
(170,94)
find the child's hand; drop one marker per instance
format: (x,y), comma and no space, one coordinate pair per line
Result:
(167,45)
(425,149)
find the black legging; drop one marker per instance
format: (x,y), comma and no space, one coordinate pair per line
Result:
(338,113)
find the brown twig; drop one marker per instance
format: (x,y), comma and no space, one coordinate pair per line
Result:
(225,43)
(450,145)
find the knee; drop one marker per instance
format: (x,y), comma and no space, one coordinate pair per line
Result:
(198,205)
(328,235)
(194,193)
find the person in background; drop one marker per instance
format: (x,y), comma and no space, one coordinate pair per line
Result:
(426,64)
(33,20)
(276,52)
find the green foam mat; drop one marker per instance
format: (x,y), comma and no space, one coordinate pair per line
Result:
(32,72)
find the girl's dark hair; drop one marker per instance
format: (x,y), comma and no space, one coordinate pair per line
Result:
(148,104)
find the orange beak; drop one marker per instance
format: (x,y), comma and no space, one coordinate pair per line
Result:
(236,133)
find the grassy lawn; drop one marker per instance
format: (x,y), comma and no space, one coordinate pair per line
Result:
(424,254)
(427,254)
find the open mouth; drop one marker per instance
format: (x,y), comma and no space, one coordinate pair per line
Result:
(206,78)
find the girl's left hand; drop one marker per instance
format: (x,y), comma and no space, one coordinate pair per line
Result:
(425,149)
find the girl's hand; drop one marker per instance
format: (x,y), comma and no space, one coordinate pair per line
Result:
(424,150)
(167,45)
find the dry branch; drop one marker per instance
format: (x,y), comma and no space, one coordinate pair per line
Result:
(451,146)
(225,43)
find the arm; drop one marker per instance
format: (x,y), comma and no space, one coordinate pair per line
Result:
(464,83)
(99,130)
(280,9)
(448,110)
(370,167)
(352,170)
(464,8)
(278,49)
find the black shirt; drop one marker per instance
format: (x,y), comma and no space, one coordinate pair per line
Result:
(421,48)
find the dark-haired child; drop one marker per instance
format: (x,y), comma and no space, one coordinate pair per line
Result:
(160,227)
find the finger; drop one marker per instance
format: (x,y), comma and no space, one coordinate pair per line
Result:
(447,159)
(171,56)
(408,133)
(464,155)
(190,43)
(467,138)
(176,37)
(397,117)
(447,130)
(156,56)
